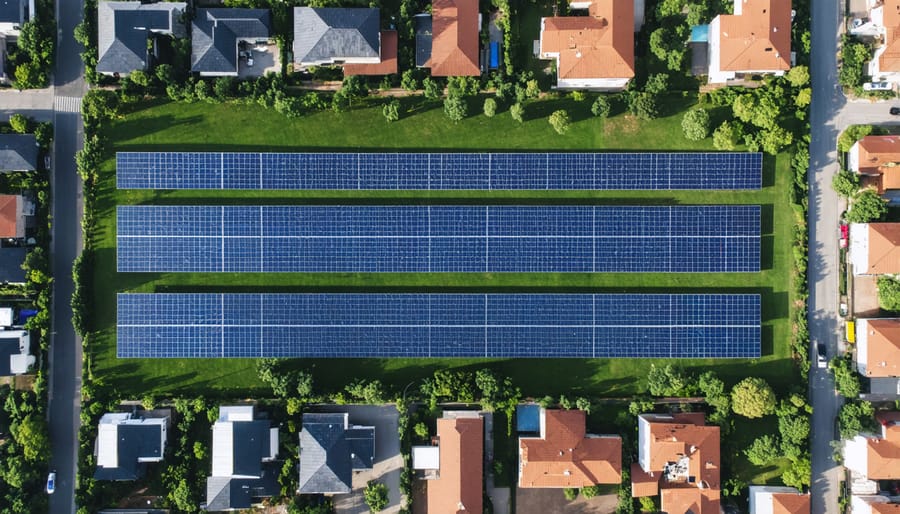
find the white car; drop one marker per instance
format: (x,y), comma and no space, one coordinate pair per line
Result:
(51,482)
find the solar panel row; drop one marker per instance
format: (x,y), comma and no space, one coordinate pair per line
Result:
(438,325)
(722,238)
(439,171)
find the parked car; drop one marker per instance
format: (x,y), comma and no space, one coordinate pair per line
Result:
(51,482)
(895,111)
(821,356)
(877,86)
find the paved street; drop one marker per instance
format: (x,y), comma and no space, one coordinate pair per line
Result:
(827,101)
(65,349)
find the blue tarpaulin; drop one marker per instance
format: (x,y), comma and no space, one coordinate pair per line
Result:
(24,314)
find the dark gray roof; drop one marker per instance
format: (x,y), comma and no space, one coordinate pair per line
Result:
(134,442)
(325,34)
(329,453)
(11,260)
(18,152)
(123,29)
(423,39)
(215,34)
(13,11)
(250,446)
(224,493)
(9,346)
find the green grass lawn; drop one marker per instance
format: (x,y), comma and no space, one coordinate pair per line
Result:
(164,126)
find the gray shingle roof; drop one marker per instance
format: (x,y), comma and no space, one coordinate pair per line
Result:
(134,442)
(13,11)
(11,260)
(18,152)
(225,493)
(329,452)
(215,35)
(423,39)
(327,34)
(123,29)
(9,346)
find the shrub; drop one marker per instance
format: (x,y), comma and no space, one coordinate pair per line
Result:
(517,112)
(490,107)
(799,474)
(376,496)
(889,293)
(695,125)
(853,134)
(18,123)
(559,120)
(855,417)
(798,76)
(644,106)
(433,90)
(590,491)
(867,206)
(657,83)
(391,111)
(846,381)
(753,398)
(727,135)
(408,80)
(845,183)
(762,450)
(570,493)
(601,107)
(455,108)
(666,380)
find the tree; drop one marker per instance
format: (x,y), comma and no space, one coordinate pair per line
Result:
(590,491)
(846,381)
(657,83)
(799,474)
(559,120)
(99,104)
(855,417)
(889,293)
(793,429)
(648,504)
(517,112)
(408,80)
(798,76)
(666,380)
(224,87)
(762,450)
(845,183)
(772,140)
(28,75)
(455,108)
(44,133)
(727,135)
(304,384)
(31,434)
(19,123)
(695,124)
(570,493)
(804,97)
(490,107)
(644,106)
(433,90)
(582,403)
(853,134)
(565,402)
(421,430)
(753,398)
(369,391)
(486,382)
(139,78)
(532,89)
(165,74)
(601,107)
(391,111)
(376,496)
(867,206)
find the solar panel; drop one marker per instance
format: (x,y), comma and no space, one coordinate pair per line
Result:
(427,239)
(439,171)
(205,325)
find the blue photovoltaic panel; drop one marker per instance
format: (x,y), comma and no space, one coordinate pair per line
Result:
(436,171)
(438,325)
(427,239)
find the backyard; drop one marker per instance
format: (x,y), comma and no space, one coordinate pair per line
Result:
(165,126)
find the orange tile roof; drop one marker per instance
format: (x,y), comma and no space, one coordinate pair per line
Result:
(454,43)
(600,45)
(686,435)
(9,216)
(388,64)
(884,452)
(890,58)
(885,508)
(566,456)
(883,348)
(884,248)
(759,39)
(459,488)
(790,503)
(880,155)
(643,483)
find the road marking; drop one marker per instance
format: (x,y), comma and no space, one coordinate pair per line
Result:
(67,104)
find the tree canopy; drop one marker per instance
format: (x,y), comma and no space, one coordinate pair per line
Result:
(753,398)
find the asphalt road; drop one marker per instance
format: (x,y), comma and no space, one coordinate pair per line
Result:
(827,102)
(65,348)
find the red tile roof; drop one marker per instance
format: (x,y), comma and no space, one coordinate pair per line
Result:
(880,155)
(890,58)
(600,45)
(9,216)
(759,39)
(883,348)
(388,64)
(790,503)
(458,490)
(454,43)
(566,456)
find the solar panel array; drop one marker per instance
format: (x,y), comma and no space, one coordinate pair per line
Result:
(204,325)
(721,238)
(438,171)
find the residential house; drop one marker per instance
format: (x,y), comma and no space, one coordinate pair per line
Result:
(778,500)
(14,14)
(756,39)
(351,37)
(876,159)
(883,28)
(244,449)
(126,442)
(218,36)
(679,459)
(565,455)
(11,260)
(875,248)
(18,152)
(447,40)
(873,457)
(454,464)
(13,212)
(594,51)
(124,29)
(878,347)
(15,351)
(331,449)
(873,504)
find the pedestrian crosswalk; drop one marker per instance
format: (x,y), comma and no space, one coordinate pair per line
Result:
(67,104)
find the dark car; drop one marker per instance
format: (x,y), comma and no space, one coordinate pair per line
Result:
(821,356)
(895,111)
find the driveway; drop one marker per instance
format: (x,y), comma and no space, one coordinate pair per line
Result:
(543,501)
(388,461)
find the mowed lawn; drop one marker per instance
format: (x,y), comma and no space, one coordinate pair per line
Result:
(167,126)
